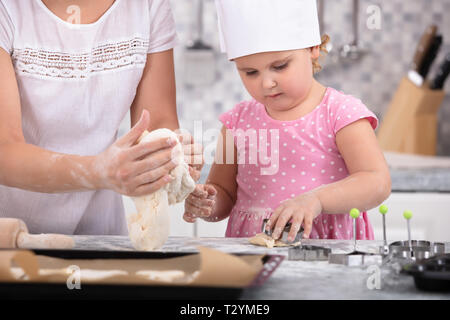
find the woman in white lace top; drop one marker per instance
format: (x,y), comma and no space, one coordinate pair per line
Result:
(69,73)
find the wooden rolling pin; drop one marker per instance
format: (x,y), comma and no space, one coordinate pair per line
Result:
(14,234)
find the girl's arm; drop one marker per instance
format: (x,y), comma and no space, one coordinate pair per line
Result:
(369,182)
(222,178)
(32,168)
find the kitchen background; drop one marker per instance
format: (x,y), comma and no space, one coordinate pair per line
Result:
(207,84)
(373,78)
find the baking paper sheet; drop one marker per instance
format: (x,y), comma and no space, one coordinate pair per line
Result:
(209,267)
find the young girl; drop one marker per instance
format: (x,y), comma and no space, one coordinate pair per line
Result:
(69,73)
(325,159)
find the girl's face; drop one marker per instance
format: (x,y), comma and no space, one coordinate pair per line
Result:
(280,80)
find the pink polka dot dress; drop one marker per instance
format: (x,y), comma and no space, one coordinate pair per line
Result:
(279,160)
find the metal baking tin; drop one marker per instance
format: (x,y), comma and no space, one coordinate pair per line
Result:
(308,253)
(431,274)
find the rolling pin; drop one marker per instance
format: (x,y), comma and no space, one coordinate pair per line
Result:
(14,234)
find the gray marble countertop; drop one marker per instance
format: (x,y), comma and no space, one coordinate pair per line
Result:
(292,279)
(420,180)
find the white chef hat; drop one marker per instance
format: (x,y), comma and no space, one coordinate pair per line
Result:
(252,26)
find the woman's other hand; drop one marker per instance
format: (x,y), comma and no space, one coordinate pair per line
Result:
(193,155)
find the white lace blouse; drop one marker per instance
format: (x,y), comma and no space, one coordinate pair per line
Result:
(76,84)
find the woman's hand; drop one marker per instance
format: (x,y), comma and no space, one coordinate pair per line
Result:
(135,169)
(200,203)
(193,155)
(301,209)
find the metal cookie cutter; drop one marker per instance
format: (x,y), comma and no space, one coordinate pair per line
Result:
(308,253)
(356,258)
(285,233)
(417,249)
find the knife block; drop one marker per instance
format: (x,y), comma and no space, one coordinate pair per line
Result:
(410,123)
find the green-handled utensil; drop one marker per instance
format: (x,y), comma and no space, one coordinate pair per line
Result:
(408,215)
(383,210)
(354,213)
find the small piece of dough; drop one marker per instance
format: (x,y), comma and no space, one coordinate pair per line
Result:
(165,275)
(149,228)
(96,275)
(262,239)
(85,274)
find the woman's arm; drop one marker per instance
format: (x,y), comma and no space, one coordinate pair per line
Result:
(369,182)
(29,167)
(157,92)
(26,166)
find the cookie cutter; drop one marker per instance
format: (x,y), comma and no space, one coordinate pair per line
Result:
(285,233)
(356,259)
(308,253)
(417,249)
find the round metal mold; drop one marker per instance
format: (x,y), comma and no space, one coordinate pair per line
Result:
(420,249)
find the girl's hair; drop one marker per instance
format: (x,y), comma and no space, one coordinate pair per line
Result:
(323,48)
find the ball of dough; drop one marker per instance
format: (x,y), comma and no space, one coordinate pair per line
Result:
(149,228)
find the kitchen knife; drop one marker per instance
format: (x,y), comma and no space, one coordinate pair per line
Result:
(430,56)
(439,80)
(419,56)
(423,47)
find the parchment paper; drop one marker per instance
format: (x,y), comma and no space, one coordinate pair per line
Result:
(209,267)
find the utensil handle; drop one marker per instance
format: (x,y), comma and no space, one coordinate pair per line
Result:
(199,20)
(355,22)
(44,241)
(409,236)
(423,46)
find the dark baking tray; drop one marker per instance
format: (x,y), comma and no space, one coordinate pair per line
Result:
(431,274)
(23,290)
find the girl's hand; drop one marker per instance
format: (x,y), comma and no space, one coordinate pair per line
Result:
(200,203)
(193,155)
(135,169)
(301,209)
